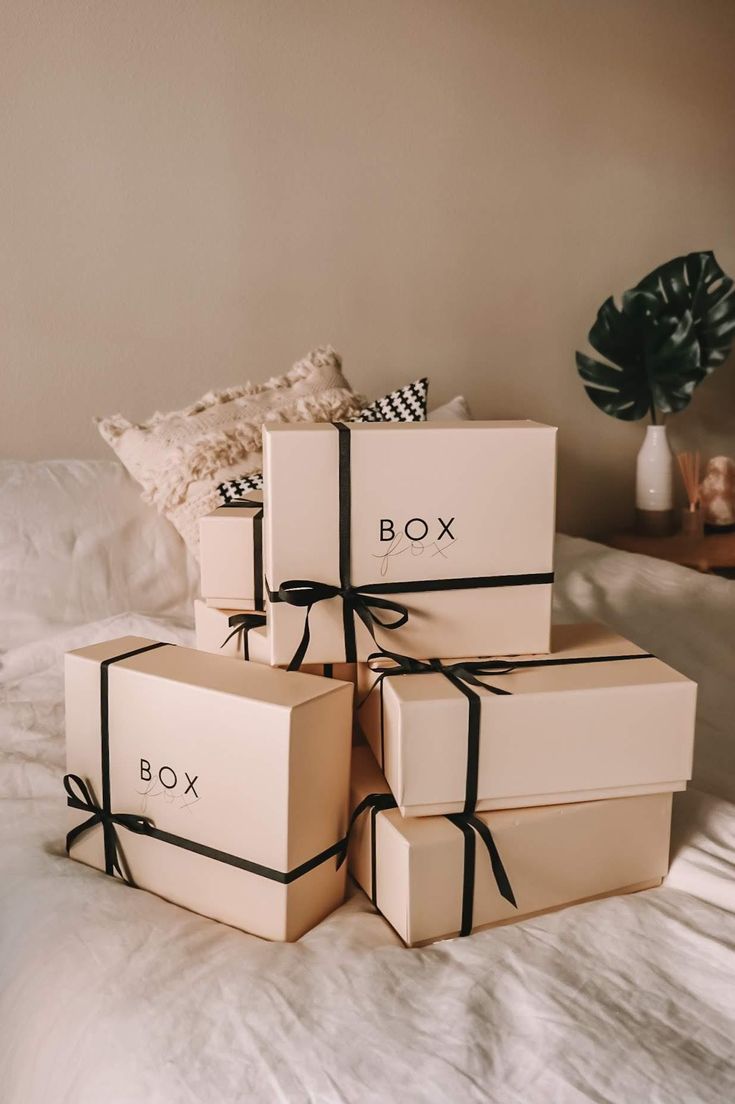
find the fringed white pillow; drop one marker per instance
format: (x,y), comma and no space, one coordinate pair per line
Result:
(405,404)
(180,458)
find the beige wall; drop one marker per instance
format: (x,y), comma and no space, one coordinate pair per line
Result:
(193,192)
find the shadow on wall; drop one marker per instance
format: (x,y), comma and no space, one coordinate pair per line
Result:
(595,492)
(708,423)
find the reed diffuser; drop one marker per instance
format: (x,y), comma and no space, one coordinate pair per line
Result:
(692,524)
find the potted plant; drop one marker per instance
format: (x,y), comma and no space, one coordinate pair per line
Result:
(669,333)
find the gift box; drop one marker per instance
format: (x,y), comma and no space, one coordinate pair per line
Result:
(433,538)
(346,672)
(219,785)
(237,633)
(260,653)
(597,718)
(438,877)
(231,555)
(227,632)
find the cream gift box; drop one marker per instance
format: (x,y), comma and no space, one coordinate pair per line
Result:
(444,530)
(231,554)
(227,632)
(260,653)
(597,718)
(438,877)
(217,784)
(236,633)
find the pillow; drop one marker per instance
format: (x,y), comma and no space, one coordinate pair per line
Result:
(78,545)
(456,410)
(238,488)
(179,458)
(406,404)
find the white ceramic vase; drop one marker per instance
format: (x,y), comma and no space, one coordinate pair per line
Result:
(654,489)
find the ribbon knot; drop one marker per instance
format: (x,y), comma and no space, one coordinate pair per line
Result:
(80,797)
(464,675)
(241,624)
(384,663)
(360,601)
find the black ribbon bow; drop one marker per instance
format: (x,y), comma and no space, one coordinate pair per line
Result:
(465,675)
(466,670)
(241,624)
(83,800)
(355,601)
(360,601)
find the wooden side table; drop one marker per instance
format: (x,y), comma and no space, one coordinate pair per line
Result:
(713,552)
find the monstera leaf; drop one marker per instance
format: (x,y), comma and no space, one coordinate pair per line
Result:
(669,333)
(696,283)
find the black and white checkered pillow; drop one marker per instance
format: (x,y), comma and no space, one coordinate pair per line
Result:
(407,404)
(239,488)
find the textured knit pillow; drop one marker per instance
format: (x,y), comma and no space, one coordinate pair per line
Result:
(180,458)
(406,404)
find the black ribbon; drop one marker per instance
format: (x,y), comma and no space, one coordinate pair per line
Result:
(465,675)
(241,624)
(102,814)
(470,826)
(108,825)
(363,601)
(305,593)
(376,803)
(84,801)
(327,669)
(250,503)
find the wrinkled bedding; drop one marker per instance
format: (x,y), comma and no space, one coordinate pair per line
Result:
(111,995)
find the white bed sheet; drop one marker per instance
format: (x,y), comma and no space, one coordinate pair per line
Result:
(112,995)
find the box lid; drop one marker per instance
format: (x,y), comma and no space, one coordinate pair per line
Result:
(224,674)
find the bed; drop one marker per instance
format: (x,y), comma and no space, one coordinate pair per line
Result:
(111,994)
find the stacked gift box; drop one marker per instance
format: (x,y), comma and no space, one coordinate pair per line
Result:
(505,769)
